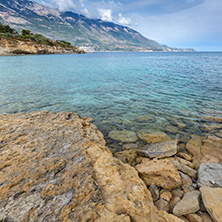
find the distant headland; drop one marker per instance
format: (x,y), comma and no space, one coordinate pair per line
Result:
(13,43)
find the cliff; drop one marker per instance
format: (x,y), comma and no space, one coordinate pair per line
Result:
(15,45)
(56,167)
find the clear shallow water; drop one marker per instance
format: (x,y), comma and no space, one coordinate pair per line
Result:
(126,91)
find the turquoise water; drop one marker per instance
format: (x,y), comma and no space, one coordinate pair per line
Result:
(126,91)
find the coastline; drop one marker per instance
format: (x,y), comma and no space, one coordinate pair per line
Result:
(21,46)
(59,162)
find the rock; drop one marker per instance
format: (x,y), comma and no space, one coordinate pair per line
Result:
(189,204)
(184,218)
(56,167)
(130,146)
(161,173)
(212,148)
(186,182)
(181,147)
(185,138)
(216,118)
(123,136)
(173,203)
(177,193)
(152,137)
(145,119)
(212,127)
(194,218)
(210,175)
(127,156)
(155,193)
(194,147)
(185,156)
(159,150)
(212,198)
(184,168)
(166,195)
(162,205)
(185,162)
(206,217)
(219,134)
(178,123)
(171,129)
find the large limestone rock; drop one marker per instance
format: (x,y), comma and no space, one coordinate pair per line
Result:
(212,198)
(212,150)
(189,204)
(152,137)
(55,167)
(210,175)
(160,173)
(159,150)
(123,136)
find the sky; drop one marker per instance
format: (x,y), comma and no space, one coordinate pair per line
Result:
(176,23)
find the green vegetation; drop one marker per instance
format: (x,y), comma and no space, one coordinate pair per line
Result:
(7,31)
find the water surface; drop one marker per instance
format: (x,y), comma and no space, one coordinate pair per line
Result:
(167,92)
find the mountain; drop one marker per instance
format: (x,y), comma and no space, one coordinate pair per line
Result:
(81,31)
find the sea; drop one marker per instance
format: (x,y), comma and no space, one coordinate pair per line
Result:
(171,92)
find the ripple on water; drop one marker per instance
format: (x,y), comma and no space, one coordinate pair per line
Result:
(176,93)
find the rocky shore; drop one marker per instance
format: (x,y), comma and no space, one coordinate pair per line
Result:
(56,167)
(19,46)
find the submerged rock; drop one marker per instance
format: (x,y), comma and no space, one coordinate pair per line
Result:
(130,146)
(210,175)
(55,167)
(216,118)
(212,198)
(123,136)
(145,118)
(159,150)
(152,137)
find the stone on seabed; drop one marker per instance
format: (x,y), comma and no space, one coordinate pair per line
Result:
(123,136)
(159,150)
(152,137)
(56,167)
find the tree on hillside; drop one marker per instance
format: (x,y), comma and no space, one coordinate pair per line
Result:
(26,32)
(7,29)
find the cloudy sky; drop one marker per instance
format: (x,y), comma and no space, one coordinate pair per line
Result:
(177,23)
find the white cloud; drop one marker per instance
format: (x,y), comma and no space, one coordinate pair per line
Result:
(197,27)
(123,20)
(86,13)
(106,14)
(64,5)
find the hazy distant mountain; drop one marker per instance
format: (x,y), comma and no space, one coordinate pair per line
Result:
(77,29)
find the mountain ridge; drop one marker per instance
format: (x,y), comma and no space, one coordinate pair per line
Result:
(93,34)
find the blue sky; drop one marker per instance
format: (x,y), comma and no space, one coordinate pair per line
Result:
(177,23)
